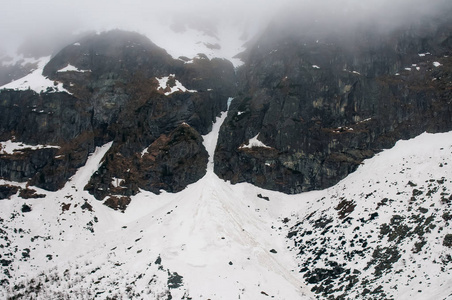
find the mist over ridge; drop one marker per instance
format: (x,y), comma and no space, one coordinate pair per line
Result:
(286,150)
(53,22)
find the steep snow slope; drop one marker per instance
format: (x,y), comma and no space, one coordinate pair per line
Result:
(383,232)
(212,240)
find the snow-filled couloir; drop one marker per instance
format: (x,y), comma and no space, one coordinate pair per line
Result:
(381,232)
(212,240)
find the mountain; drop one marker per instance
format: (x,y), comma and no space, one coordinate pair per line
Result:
(116,86)
(322,102)
(303,172)
(383,232)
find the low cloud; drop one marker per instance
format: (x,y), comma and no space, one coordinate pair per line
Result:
(48,20)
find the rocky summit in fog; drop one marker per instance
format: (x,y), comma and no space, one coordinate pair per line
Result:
(313,163)
(318,104)
(119,87)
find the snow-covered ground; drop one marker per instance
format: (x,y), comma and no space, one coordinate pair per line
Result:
(214,240)
(383,232)
(220,239)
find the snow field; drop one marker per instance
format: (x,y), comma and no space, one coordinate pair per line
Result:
(387,223)
(221,241)
(216,236)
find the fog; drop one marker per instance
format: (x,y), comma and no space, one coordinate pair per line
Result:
(53,22)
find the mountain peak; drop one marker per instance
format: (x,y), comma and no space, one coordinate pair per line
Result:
(133,171)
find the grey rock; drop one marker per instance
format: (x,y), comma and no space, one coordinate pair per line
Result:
(323,106)
(117,99)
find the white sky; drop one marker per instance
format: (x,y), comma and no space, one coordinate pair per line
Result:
(20,19)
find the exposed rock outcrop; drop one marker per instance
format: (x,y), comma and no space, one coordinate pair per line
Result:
(321,103)
(311,107)
(170,163)
(122,88)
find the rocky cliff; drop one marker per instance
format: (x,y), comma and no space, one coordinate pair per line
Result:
(113,117)
(313,105)
(119,87)
(310,106)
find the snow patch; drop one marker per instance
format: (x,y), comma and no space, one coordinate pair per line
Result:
(189,42)
(10,147)
(177,87)
(145,151)
(436,64)
(71,68)
(254,142)
(365,120)
(36,81)
(387,221)
(341,129)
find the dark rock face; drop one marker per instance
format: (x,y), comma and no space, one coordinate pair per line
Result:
(46,118)
(120,77)
(170,163)
(317,104)
(323,104)
(174,160)
(115,95)
(7,191)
